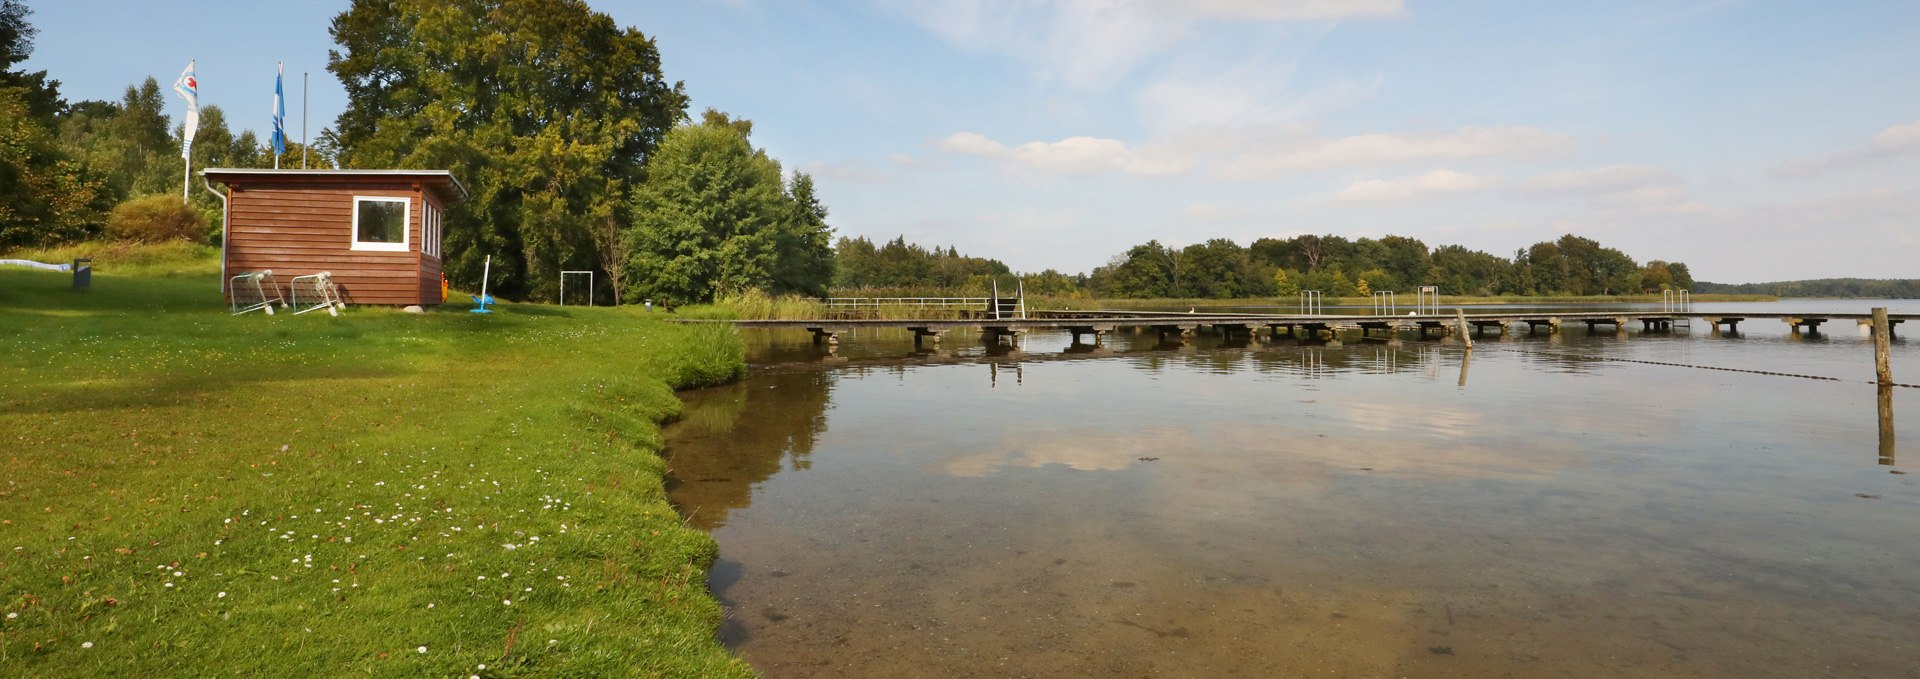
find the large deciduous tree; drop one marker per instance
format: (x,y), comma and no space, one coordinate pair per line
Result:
(547,110)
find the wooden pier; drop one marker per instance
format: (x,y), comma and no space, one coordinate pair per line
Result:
(1099,323)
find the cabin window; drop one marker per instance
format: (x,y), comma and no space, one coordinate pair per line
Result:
(430,229)
(380,223)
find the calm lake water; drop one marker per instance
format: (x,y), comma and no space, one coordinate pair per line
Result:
(1573,505)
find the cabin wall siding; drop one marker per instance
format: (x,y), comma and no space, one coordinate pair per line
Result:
(296,228)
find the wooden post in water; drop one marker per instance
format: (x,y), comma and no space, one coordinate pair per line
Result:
(1886,425)
(1882,342)
(1461,315)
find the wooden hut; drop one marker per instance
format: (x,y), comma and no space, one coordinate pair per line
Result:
(378,232)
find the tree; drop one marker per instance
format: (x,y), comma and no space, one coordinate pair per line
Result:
(45,195)
(39,97)
(1145,271)
(546,110)
(45,198)
(1460,271)
(713,217)
(804,241)
(1285,284)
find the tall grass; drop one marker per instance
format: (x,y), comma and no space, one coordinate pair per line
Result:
(754,304)
(167,258)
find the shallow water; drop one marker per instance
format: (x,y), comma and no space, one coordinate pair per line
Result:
(1542,506)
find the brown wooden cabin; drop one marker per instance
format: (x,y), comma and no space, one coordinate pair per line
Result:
(378,232)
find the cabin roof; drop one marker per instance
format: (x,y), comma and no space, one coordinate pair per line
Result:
(441,180)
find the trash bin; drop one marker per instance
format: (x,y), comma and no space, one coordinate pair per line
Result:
(83,273)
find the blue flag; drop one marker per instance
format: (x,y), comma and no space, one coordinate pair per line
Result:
(279,117)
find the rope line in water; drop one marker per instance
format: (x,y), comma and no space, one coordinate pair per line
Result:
(1773,373)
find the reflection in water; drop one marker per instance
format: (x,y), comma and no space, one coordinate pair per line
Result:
(718,459)
(1283,509)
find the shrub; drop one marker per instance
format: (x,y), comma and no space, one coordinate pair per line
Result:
(156,218)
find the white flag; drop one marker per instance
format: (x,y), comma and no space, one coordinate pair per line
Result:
(189,88)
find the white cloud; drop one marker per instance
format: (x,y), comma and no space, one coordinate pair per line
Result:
(1092,44)
(1609,177)
(971,144)
(1428,185)
(1638,188)
(1291,10)
(1387,149)
(1071,156)
(1896,141)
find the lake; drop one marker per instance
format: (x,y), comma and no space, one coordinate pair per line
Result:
(1615,504)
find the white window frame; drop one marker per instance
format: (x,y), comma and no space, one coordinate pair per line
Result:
(439,215)
(426,228)
(406,225)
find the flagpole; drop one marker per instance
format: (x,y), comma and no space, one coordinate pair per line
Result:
(188,87)
(303,120)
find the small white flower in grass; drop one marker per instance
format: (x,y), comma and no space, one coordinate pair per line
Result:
(483,666)
(86,644)
(506,602)
(423,649)
(551,642)
(221,595)
(11,616)
(169,584)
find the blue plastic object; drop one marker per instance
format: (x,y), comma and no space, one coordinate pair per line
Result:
(482,300)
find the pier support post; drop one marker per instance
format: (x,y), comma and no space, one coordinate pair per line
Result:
(1882,347)
(1887,452)
(921,333)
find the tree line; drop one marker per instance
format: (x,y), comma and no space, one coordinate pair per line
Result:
(1338,266)
(1865,288)
(67,165)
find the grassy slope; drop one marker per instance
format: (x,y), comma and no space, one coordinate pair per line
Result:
(189,493)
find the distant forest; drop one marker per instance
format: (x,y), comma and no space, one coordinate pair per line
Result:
(1873,288)
(1222,269)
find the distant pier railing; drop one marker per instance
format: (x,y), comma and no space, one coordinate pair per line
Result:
(908,307)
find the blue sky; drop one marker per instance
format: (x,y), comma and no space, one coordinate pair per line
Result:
(1752,140)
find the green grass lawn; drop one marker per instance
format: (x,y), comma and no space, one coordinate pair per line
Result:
(186,493)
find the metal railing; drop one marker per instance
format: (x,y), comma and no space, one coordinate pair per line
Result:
(1310,303)
(1676,301)
(1384,304)
(1426,300)
(873,307)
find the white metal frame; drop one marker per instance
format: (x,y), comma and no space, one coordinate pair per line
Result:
(430,228)
(1310,302)
(406,225)
(1426,300)
(1676,301)
(253,291)
(1384,303)
(321,294)
(563,286)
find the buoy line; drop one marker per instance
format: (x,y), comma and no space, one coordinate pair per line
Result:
(1670,364)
